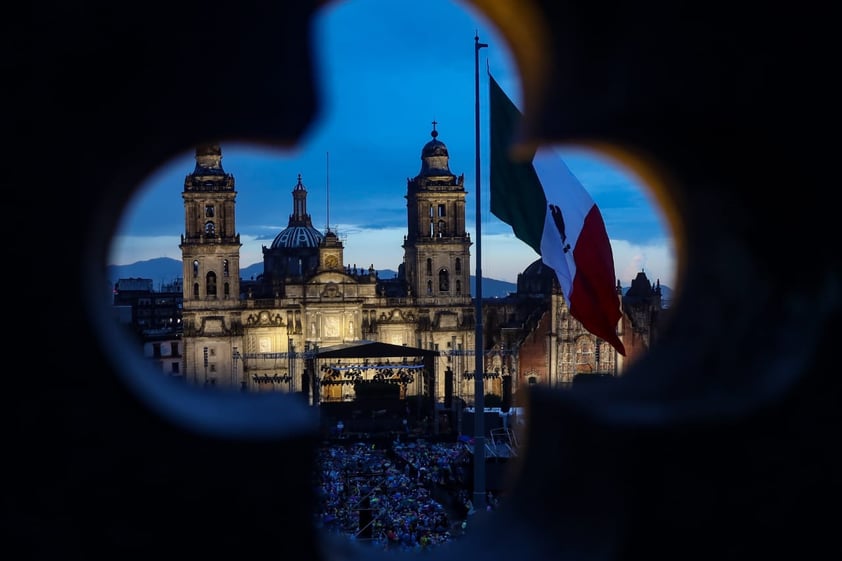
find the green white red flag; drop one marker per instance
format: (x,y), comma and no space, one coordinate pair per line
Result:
(550,210)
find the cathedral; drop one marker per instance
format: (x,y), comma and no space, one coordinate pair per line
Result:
(313,325)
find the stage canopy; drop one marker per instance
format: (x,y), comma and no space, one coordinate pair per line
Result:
(373,349)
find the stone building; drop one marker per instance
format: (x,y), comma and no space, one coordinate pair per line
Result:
(267,334)
(153,317)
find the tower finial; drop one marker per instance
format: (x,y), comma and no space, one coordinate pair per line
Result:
(435,133)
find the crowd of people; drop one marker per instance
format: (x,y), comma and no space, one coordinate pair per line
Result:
(404,495)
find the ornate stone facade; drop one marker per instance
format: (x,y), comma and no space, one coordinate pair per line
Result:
(261,335)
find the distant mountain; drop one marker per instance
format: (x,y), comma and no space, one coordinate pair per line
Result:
(493,288)
(161,270)
(164,270)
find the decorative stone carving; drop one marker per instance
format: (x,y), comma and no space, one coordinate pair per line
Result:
(331,290)
(263,317)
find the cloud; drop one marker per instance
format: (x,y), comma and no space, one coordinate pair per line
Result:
(656,259)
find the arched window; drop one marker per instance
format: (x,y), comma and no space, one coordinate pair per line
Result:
(429,266)
(226,288)
(444,281)
(210,284)
(209,211)
(224,267)
(195,267)
(458,265)
(195,290)
(458,286)
(429,287)
(210,228)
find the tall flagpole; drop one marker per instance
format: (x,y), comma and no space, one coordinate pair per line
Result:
(479,366)
(327,188)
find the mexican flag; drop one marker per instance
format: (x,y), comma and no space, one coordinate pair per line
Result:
(550,210)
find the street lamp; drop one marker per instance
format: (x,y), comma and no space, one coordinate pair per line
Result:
(236,357)
(312,349)
(206,365)
(291,368)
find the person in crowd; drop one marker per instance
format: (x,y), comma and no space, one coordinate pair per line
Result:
(414,491)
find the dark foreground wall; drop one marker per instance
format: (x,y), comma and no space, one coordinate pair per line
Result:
(720,444)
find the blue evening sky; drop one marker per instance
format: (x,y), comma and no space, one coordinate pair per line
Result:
(386,70)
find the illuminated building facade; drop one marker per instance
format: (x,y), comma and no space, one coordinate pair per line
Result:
(263,334)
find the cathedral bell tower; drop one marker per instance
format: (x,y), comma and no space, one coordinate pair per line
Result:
(210,246)
(210,256)
(437,246)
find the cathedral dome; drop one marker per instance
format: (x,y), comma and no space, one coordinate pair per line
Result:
(299,232)
(537,278)
(298,236)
